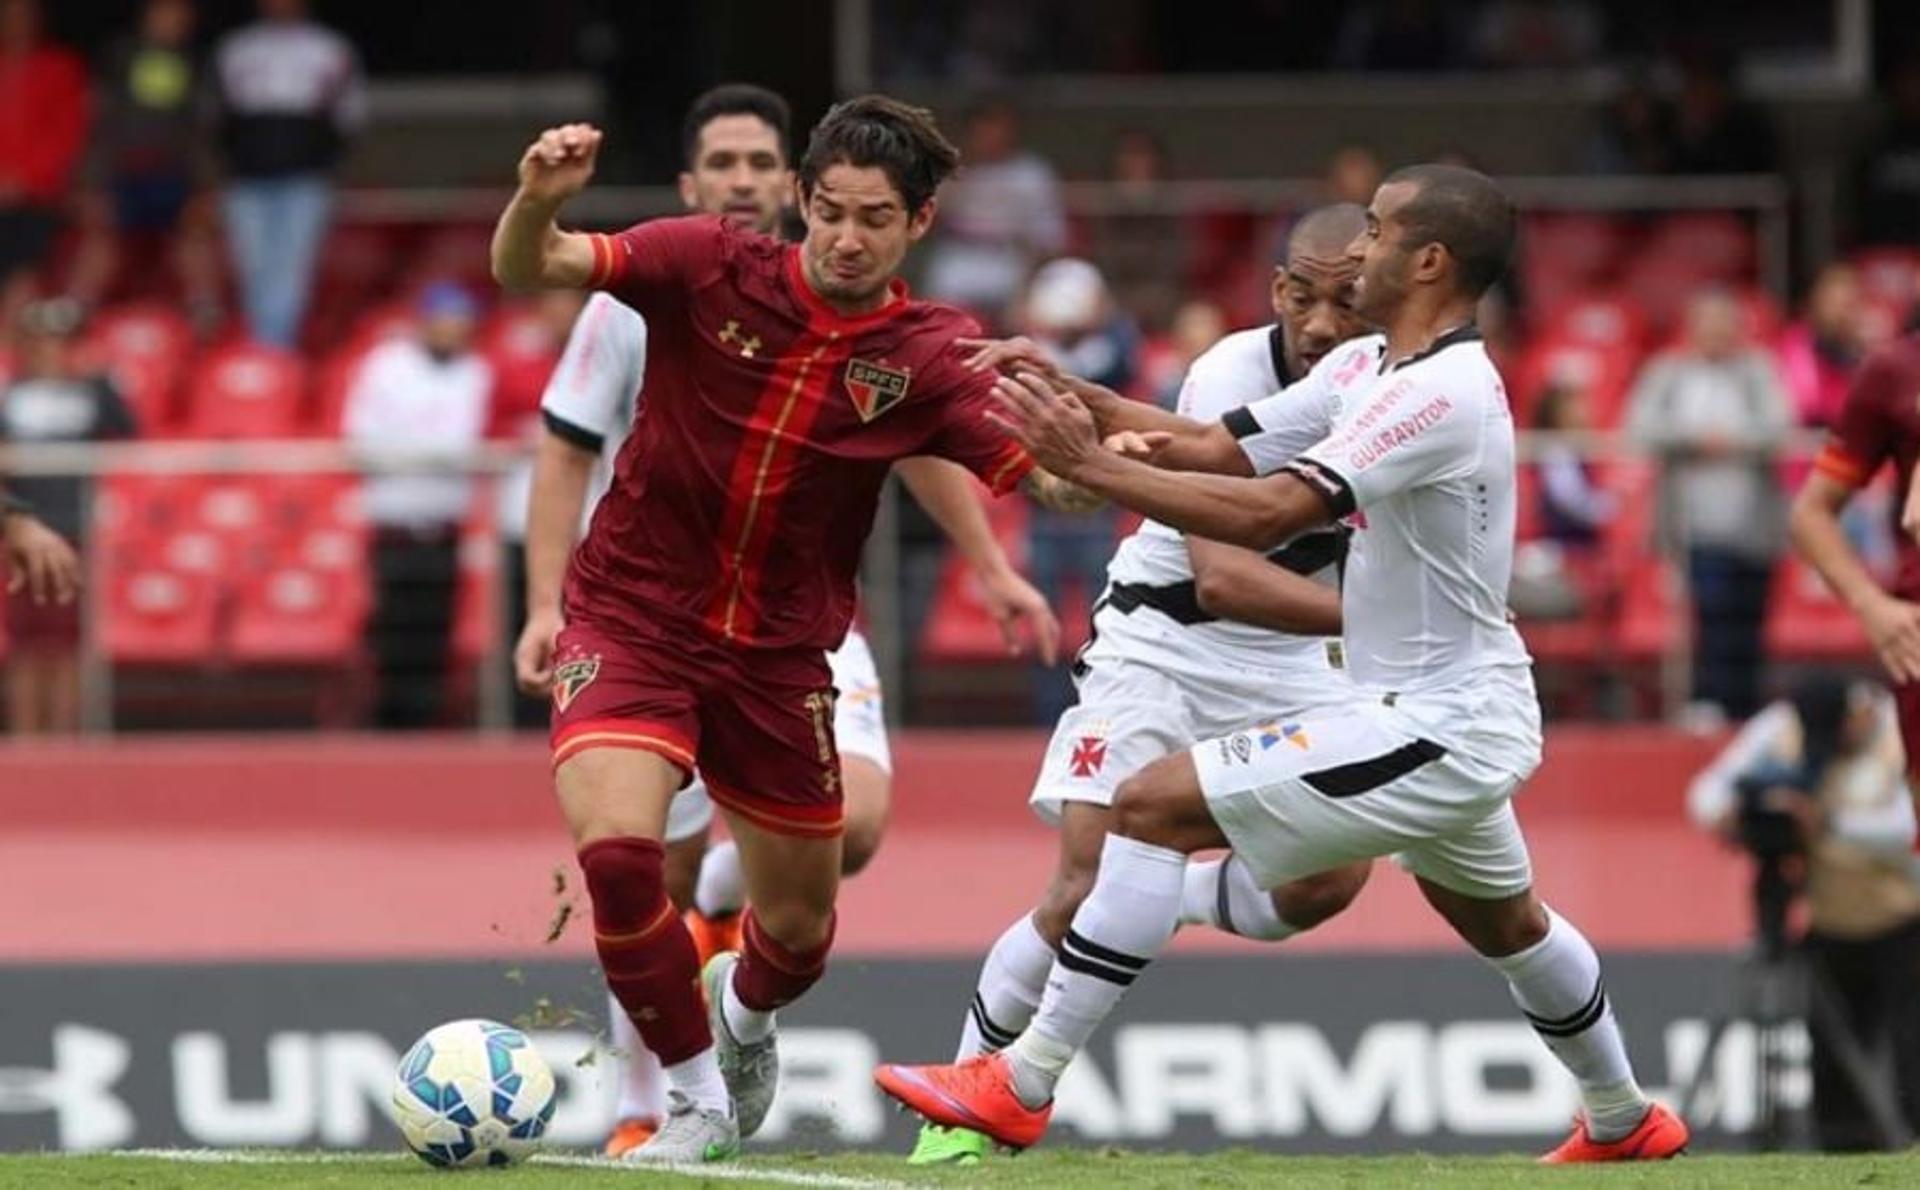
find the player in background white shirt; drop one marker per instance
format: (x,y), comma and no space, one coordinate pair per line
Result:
(1192,639)
(1411,431)
(735,140)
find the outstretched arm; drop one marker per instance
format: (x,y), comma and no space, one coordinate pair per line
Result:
(529,249)
(1241,585)
(946,491)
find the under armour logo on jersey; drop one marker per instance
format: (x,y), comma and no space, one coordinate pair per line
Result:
(731,333)
(78,1090)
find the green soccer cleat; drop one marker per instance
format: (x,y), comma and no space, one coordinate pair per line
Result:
(948,1146)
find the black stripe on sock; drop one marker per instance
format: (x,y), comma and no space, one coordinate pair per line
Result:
(1222,907)
(1098,970)
(1094,950)
(1363,776)
(996,1036)
(1576,1022)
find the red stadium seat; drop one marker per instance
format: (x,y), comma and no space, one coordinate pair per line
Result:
(1605,374)
(157,615)
(1597,318)
(522,350)
(1806,622)
(476,595)
(1717,245)
(247,390)
(146,347)
(294,615)
(460,252)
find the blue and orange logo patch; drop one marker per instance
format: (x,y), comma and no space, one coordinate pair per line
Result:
(1270,734)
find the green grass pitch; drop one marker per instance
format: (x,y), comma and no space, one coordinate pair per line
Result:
(1061,1168)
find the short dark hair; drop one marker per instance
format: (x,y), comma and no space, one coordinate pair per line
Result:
(1462,210)
(875,131)
(734,99)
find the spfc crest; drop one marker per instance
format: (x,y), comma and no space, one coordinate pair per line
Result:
(875,389)
(571,678)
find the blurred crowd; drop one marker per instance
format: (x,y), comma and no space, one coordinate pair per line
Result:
(170,267)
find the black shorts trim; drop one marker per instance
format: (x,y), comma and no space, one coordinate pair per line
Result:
(1363,776)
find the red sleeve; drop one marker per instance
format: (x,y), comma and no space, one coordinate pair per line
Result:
(967,437)
(1862,440)
(655,262)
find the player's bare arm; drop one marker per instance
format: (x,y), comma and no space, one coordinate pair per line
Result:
(561,473)
(1056,428)
(1892,624)
(529,249)
(946,491)
(1243,586)
(1112,412)
(1051,491)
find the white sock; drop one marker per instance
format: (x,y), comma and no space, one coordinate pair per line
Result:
(1011,981)
(1126,921)
(1221,893)
(1556,982)
(698,1078)
(721,890)
(643,1090)
(747,1025)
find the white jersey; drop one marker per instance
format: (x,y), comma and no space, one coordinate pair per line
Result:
(591,396)
(1240,369)
(1423,452)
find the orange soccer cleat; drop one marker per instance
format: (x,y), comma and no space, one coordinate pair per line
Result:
(630,1133)
(976,1094)
(713,935)
(1660,1136)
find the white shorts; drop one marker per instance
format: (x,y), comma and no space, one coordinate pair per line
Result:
(1148,688)
(1300,796)
(859,729)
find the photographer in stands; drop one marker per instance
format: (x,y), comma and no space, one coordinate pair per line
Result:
(1814,788)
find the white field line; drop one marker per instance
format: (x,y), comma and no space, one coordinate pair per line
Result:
(714,1173)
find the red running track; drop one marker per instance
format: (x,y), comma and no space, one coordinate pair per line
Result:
(322,847)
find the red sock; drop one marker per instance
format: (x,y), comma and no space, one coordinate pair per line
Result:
(644,947)
(769,975)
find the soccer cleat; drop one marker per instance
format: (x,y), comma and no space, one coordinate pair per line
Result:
(690,1136)
(713,935)
(1661,1135)
(752,1069)
(976,1094)
(630,1134)
(948,1146)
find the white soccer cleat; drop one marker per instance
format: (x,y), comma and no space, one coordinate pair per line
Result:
(691,1136)
(752,1070)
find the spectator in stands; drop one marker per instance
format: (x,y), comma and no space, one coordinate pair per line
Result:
(1818,780)
(52,399)
(1070,313)
(1536,34)
(1001,214)
(44,110)
(1574,508)
(146,171)
(1819,354)
(1636,133)
(1143,247)
(1353,174)
(1716,131)
(1197,325)
(288,94)
(1410,35)
(425,394)
(1715,413)
(1886,176)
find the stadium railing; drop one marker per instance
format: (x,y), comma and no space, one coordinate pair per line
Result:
(233,584)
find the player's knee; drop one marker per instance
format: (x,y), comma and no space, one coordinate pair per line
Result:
(1305,903)
(626,881)
(797,924)
(1146,808)
(859,845)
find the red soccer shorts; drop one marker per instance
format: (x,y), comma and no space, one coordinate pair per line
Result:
(758,723)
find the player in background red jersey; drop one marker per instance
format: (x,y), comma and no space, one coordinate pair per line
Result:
(1879,424)
(782,383)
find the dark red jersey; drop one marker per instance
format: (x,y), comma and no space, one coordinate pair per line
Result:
(744,494)
(1880,423)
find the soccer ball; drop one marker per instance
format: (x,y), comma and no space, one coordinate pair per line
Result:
(473,1093)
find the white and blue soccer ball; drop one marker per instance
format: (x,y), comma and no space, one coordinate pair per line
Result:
(473,1093)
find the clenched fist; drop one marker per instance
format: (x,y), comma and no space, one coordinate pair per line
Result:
(558,165)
